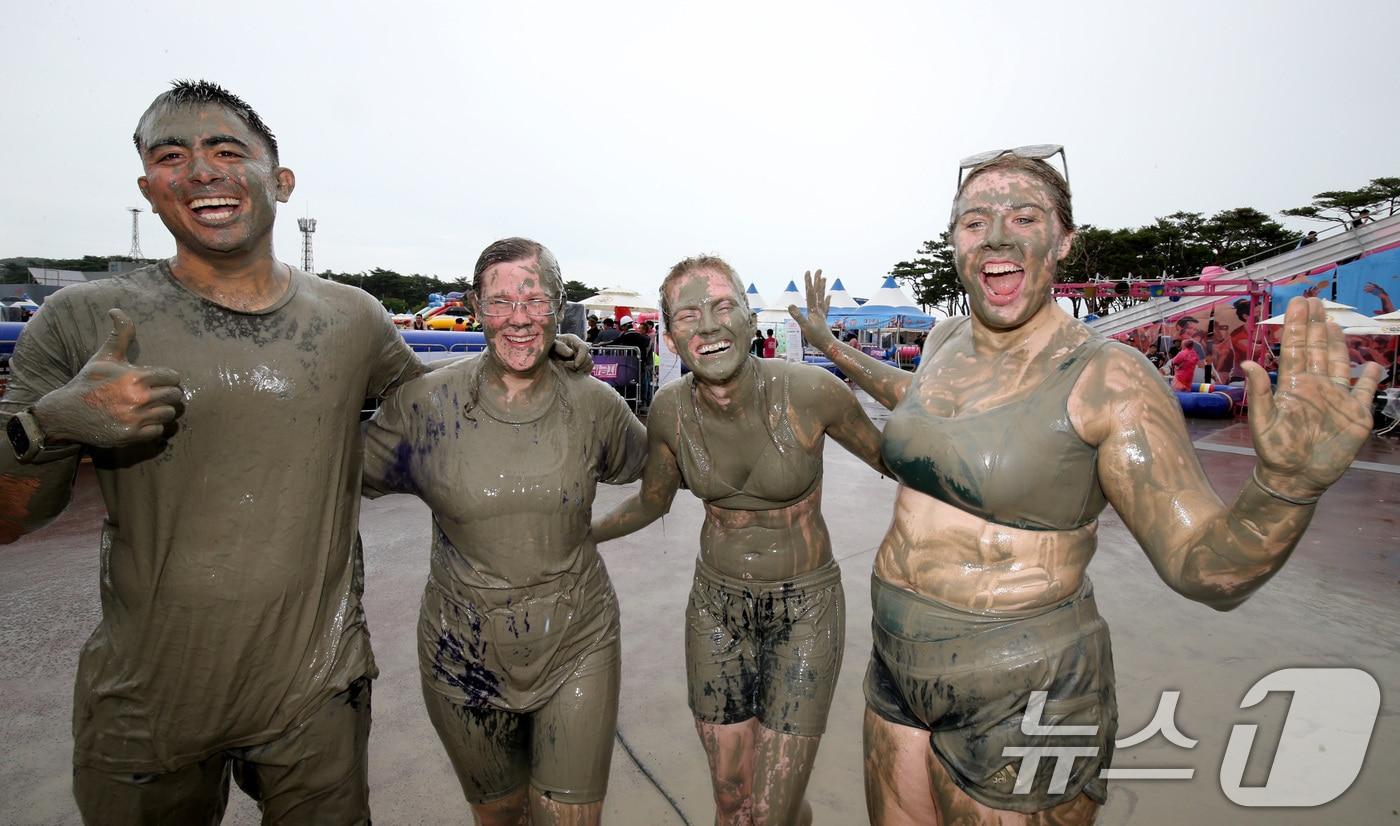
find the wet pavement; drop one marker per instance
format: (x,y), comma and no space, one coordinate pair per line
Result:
(1333,605)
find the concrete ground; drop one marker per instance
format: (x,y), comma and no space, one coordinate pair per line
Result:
(1333,605)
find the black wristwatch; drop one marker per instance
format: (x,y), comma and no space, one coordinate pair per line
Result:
(27,438)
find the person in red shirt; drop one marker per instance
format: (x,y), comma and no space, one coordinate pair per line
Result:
(770,346)
(1183,366)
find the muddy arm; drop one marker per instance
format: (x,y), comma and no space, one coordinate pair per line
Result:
(886,384)
(661,478)
(31,495)
(1305,437)
(845,420)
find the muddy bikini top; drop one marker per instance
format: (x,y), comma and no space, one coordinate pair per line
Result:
(1019,464)
(783,474)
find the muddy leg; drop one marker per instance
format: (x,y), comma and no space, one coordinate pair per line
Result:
(782,763)
(730,749)
(955,808)
(897,782)
(547,812)
(512,810)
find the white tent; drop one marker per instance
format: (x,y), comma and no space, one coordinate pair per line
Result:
(890,295)
(839,296)
(606,301)
(791,296)
(756,300)
(776,314)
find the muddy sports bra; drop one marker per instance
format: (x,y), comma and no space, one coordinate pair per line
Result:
(783,463)
(1019,464)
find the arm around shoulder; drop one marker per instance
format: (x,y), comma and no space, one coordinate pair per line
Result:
(661,478)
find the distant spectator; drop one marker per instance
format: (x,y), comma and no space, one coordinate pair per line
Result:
(1188,333)
(610,331)
(756,346)
(592,335)
(1363,218)
(1183,367)
(1154,355)
(1310,238)
(770,346)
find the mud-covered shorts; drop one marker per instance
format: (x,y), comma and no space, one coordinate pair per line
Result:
(770,650)
(968,679)
(522,683)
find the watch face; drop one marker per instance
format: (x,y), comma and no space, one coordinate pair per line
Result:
(18,437)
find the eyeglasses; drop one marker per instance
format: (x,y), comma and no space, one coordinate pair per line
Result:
(537,307)
(1033,152)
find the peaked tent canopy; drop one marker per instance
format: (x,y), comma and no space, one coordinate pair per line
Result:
(890,295)
(840,298)
(755,298)
(791,296)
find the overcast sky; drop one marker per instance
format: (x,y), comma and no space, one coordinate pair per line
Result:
(628,136)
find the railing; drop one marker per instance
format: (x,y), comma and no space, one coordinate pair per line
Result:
(1354,242)
(622,369)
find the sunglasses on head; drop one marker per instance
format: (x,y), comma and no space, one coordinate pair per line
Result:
(1033,152)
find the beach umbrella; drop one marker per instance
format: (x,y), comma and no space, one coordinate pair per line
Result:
(1342,315)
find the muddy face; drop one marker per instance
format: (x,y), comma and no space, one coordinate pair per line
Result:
(518,341)
(711,326)
(212,180)
(1008,243)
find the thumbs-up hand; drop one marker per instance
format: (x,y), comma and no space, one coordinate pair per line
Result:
(112,402)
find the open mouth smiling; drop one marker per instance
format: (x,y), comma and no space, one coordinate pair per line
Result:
(714,348)
(1002,280)
(214,210)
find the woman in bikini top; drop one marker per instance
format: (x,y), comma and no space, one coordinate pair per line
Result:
(1019,426)
(746,436)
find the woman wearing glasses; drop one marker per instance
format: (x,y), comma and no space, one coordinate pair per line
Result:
(766,616)
(1016,430)
(518,632)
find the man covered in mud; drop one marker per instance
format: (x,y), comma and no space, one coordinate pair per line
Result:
(218,394)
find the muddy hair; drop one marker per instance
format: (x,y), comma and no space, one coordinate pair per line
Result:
(692,264)
(507,251)
(191,93)
(1038,169)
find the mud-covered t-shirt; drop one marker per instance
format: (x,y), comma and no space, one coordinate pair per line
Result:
(231,571)
(517,596)
(511,500)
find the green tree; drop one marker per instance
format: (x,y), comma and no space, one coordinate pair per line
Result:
(1234,235)
(933,277)
(578,291)
(1343,206)
(1388,190)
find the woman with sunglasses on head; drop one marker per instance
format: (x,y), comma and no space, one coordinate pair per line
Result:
(518,632)
(766,617)
(1016,430)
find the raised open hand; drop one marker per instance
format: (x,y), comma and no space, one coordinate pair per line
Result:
(112,402)
(1309,429)
(814,324)
(573,352)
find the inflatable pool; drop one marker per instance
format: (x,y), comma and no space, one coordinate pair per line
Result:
(1216,404)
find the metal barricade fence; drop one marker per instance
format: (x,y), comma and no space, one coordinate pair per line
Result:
(427,353)
(623,370)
